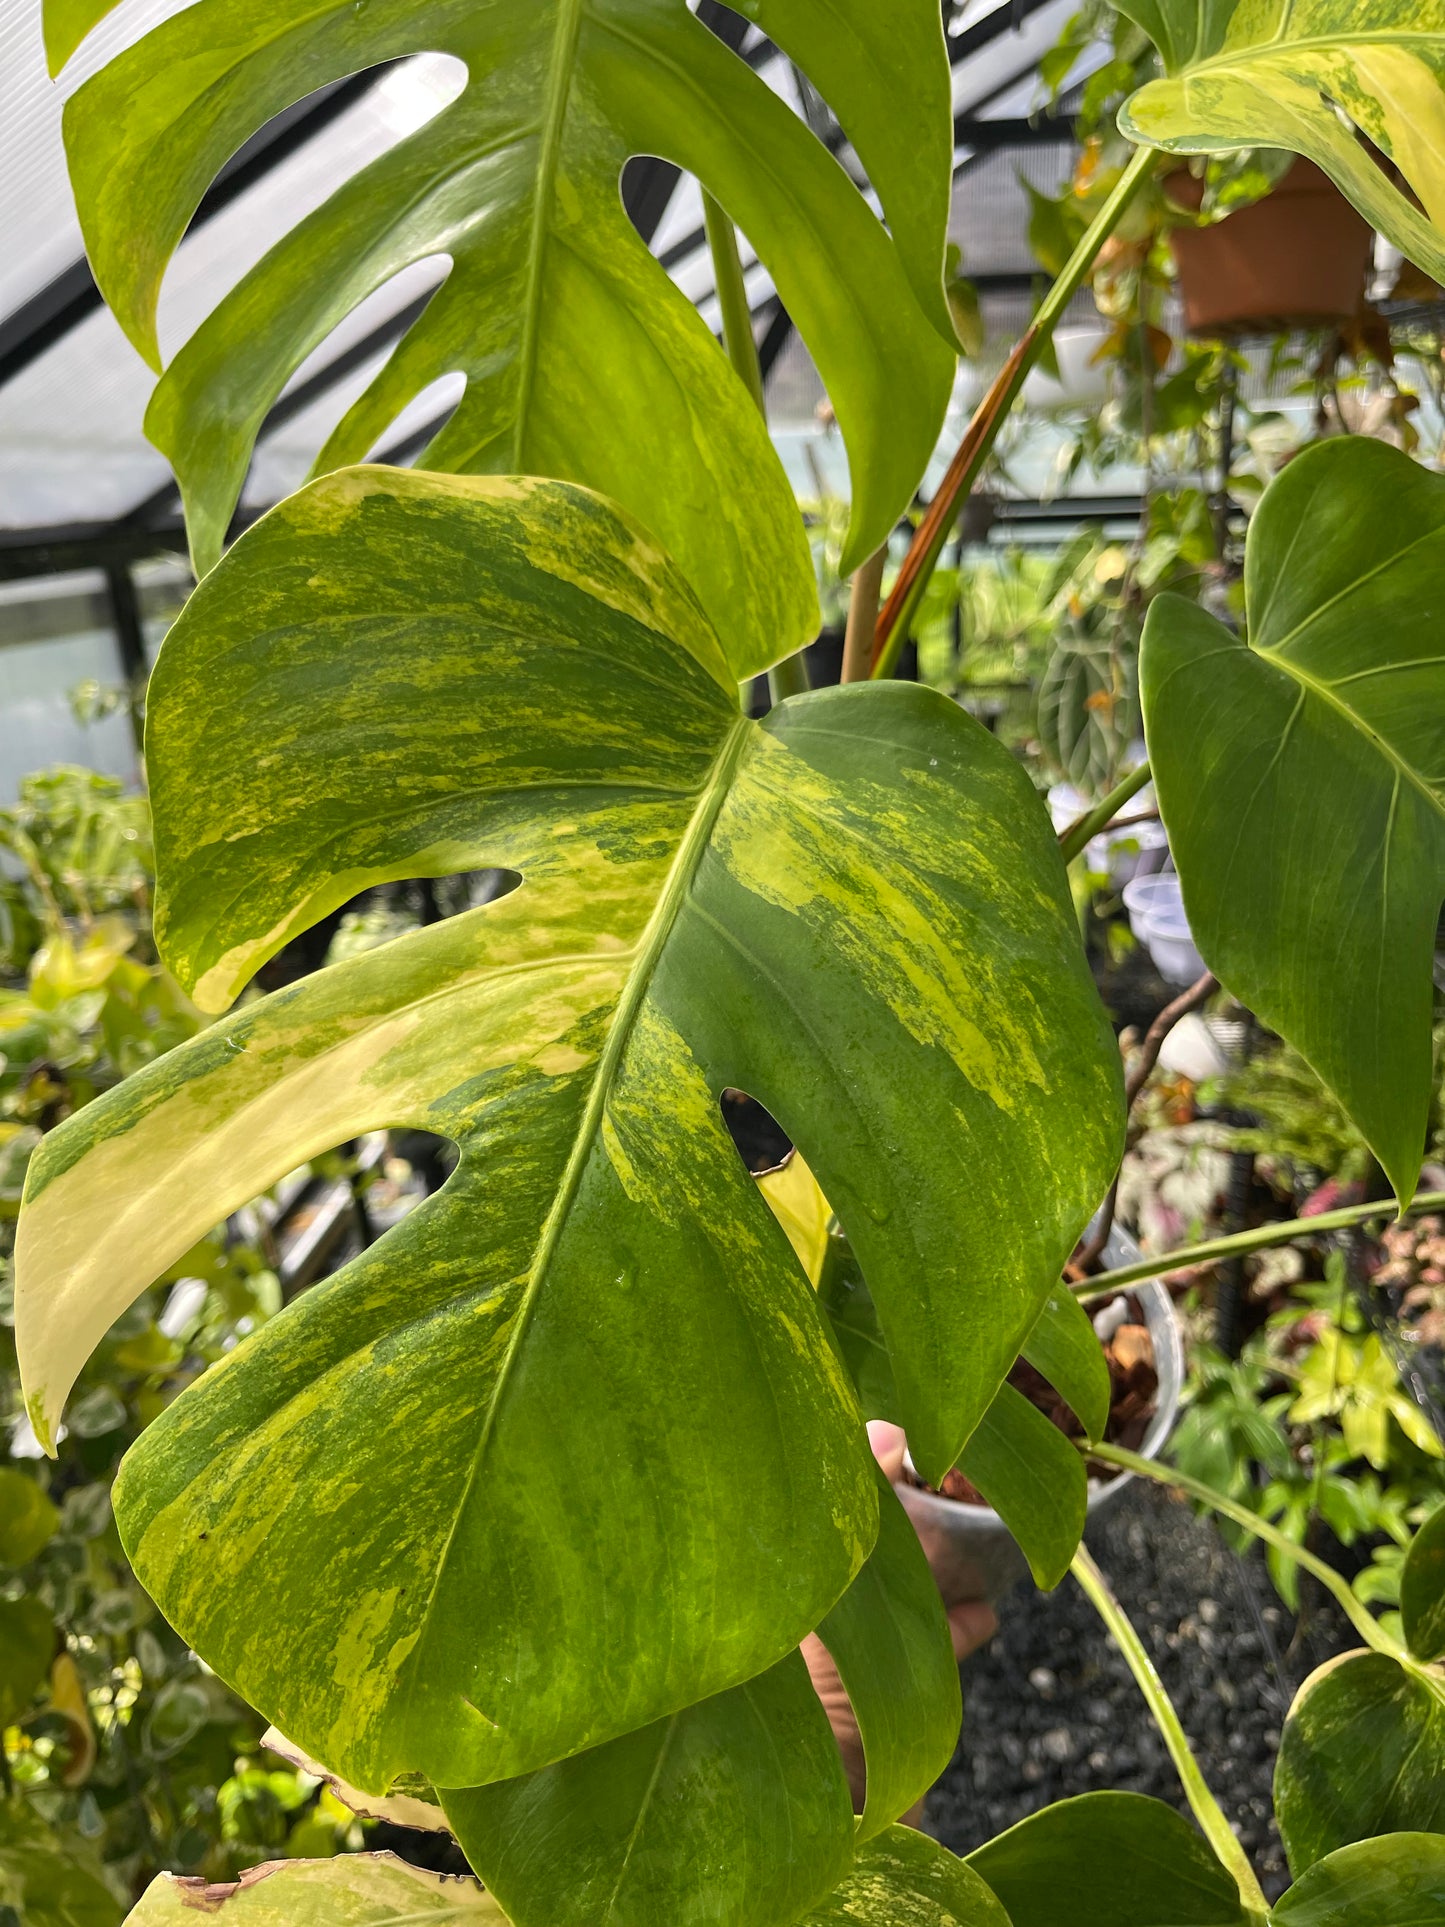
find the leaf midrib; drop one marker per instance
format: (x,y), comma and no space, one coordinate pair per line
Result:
(648,951)
(1281,44)
(554,115)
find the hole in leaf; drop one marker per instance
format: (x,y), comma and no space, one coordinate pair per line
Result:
(761,1141)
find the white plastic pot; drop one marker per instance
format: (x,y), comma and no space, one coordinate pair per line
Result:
(1083,378)
(1121,855)
(1156,916)
(972,1552)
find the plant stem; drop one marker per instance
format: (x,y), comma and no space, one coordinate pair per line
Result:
(863,616)
(1339,1589)
(732,294)
(1198,993)
(1078,835)
(992,412)
(1206,1809)
(1196,1257)
(790,677)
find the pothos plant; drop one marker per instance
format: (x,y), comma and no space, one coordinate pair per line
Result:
(543,1490)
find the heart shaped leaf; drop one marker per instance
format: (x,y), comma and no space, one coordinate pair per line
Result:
(1108,1860)
(1301,776)
(362,1889)
(1397,1881)
(579,1383)
(1244,73)
(1362,1753)
(582,360)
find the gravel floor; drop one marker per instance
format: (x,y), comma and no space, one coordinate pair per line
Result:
(1050,1709)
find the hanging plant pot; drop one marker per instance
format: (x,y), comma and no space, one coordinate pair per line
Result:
(1298,258)
(971,1550)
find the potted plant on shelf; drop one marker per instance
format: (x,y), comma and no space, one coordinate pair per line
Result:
(545,1488)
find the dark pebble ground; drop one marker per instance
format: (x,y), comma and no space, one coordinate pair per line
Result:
(1051,1709)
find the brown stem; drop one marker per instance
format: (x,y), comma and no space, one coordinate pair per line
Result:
(863,617)
(932,531)
(1197,994)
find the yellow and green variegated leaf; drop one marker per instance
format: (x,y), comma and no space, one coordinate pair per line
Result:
(1395,1881)
(525,1476)
(582,359)
(1362,1753)
(1301,775)
(904,1879)
(735,1811)
(1310,76)
(353,1890)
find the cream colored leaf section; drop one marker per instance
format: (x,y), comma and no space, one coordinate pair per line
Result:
(796,1200)
(353,1890)
(400,1809)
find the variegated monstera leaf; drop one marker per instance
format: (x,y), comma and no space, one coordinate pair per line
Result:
(582,359)
(1296,74)
(569,1449)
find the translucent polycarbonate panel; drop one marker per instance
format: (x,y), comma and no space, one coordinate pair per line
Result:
(56,639)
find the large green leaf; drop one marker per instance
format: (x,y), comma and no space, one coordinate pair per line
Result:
(1422,1589)
(1302,777)
(1395,1882)
(1108,1860)
(27,1646)
(354,1890)
(735,1812)
(1258,73)
(1362,1753)
(582,359)
(904,1879)
(50,1879)
(529,1474)
(889,1639)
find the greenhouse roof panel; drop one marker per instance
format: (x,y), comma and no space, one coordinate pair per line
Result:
(73,392)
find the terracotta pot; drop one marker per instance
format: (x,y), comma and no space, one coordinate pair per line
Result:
(1298,258)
